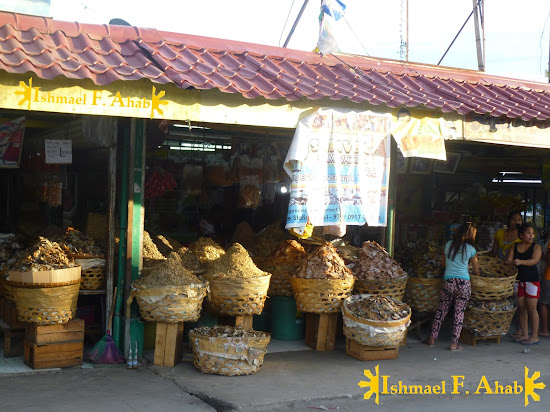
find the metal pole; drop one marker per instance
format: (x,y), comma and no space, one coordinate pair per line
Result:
(480,57)
(407,33)
(296,22)
(390,228)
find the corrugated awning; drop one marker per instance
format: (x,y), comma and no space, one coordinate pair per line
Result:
(107,53)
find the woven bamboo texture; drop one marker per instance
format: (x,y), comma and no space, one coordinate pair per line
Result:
(499,285)
(237,296)
(422,294)
(484,322)
(46,303)
(373,332)
(321,295)
(228,356)
(171,304)
(392,288)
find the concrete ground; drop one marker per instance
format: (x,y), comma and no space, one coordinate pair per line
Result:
(297,380)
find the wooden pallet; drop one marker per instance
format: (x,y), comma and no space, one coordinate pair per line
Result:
(72,331)
(13,340)
(168,344)
(59,355)
(366,353)
(321,331)
(469,338)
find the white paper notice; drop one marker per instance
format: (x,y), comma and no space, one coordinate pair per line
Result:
(59,151)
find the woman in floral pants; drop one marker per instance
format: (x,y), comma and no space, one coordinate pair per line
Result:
(457,254)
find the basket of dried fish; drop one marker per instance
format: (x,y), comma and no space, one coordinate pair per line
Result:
(170,294)
(282,264)
(489,317)
(93,272)
(237,286)
(228,351)
(375,321)
(495,281)
(322,281)
(377,273)
(422,294)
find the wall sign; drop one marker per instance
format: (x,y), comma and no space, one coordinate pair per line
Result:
(59,151)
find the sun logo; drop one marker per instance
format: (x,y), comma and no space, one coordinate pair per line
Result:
(26,93)
(373,384)
(530,386)
(156,102)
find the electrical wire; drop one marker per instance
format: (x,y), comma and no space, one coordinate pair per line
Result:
(364,48)
(286,21)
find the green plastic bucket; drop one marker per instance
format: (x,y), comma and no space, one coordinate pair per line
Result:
(285,325)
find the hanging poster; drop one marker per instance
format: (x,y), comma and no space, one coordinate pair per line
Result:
(338,162)
(59,151)
(422,137)
(11,142)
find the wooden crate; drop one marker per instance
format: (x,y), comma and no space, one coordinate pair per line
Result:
(9,314)
(72,331)
(469,338)
(363,352)
(244,321)
(13,340)
(321,331)
(168,344)
(58,355)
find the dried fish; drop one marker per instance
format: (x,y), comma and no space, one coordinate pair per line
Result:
(374,263)
(77,243)
(169,272)
(150,250)
(323,263)
(206,249)
(190,261)
(421,259)
(166,245)
(228,332)
(43,255)
(235,263)
(377,307)
(284,260)
(502,305)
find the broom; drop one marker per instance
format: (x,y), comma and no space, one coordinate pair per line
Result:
(105,351)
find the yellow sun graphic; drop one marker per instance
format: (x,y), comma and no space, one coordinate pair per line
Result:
(156,102)
(26,93)
(373,384)
(530,386)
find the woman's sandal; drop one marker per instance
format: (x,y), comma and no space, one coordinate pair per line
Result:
(427,342)
(457,349)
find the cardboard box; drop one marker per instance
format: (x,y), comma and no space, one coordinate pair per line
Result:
(46,276)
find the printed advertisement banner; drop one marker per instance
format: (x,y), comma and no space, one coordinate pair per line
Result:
(11,142)
(339,164)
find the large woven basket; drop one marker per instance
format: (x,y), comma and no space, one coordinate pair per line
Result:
(373,333)
(500,283)
(422,294)
(484,322)
(92,272)
(45,303)
(237,296)
(171,304)
(321,295)
(392,288)
(228,356)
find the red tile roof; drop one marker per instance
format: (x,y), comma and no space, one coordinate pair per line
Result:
(105,53)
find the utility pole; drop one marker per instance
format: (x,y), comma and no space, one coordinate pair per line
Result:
(478,5)
(407,31)
(296,22)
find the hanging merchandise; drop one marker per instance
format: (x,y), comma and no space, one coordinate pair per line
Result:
(250,193)
(11,142)
(338,162)
(158,183)
(216,171)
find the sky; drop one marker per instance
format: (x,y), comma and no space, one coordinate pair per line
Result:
(517,33)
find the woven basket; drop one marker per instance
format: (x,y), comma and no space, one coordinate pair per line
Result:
(237,296)
(498,286)
(422,294)
(484,322)
(228,356)
(392,288)
(373,332)
(171,304)
(92,272)
(45,303)
(321,295)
